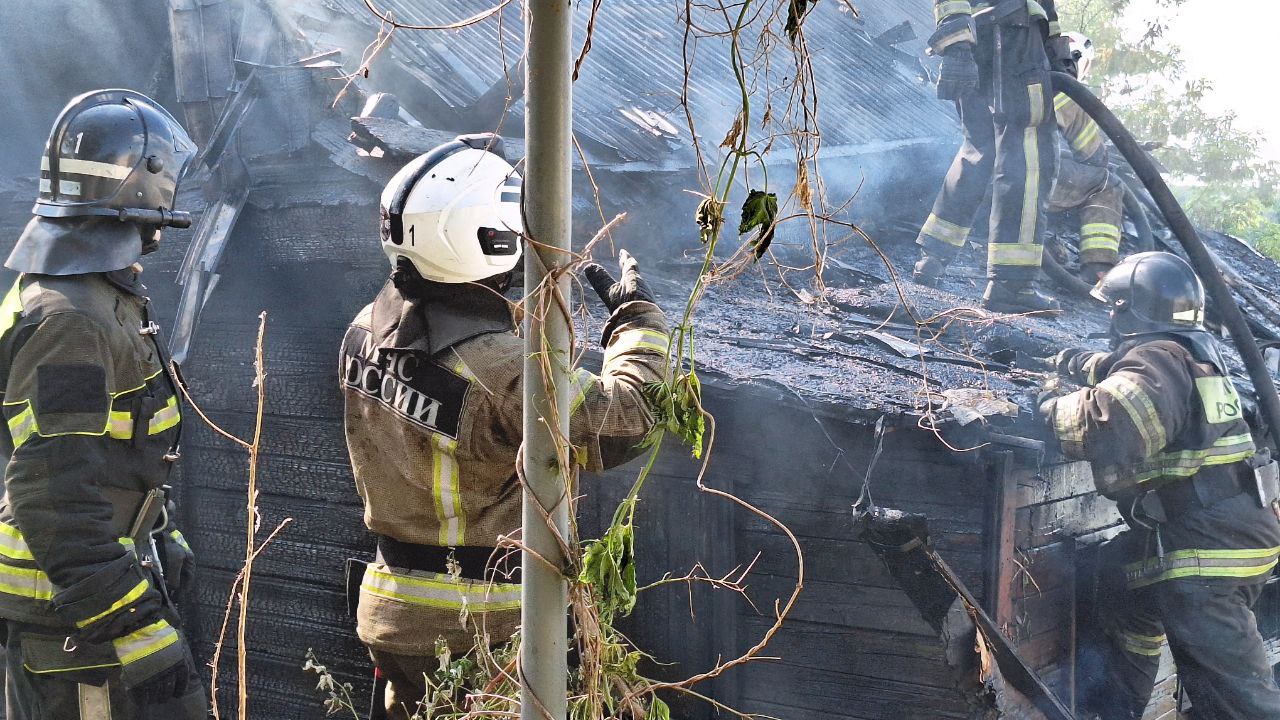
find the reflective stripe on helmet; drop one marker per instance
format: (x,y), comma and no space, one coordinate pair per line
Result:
(88,167)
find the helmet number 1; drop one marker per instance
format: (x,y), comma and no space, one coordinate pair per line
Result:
(411,238)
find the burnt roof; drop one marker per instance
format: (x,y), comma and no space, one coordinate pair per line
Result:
(875,91)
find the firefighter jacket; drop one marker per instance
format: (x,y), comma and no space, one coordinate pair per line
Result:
(434,422)
(1155,418)
(93,421)
(955,18)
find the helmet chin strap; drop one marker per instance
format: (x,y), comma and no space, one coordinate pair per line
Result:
(150,238)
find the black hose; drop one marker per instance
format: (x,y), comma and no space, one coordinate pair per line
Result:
(1064,277)
(1138,214)
(1186,234)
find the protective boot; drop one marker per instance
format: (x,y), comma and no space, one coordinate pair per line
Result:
(1017,297)
(1093,272)
(928,271)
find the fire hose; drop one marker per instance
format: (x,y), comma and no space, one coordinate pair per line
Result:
(1232,318)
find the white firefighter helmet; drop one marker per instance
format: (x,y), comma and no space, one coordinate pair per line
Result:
(1082,52)
(455,212)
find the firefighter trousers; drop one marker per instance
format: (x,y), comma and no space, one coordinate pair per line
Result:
(1209,626)
(1096,192)
(1010,149)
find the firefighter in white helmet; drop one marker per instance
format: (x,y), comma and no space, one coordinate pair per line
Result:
(431,373)
(1084,181)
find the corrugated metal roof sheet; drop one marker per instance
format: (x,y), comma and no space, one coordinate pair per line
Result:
(627,99)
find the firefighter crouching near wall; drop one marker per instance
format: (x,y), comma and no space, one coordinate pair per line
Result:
(432,378)
(995,66)
(1161,423)
(1084,181)
(88,559)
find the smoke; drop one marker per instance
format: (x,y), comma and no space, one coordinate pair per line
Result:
(55,49)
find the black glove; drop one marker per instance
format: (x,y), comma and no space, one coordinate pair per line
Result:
(959,72)
(616,293)
(164,686)
(1061,58)
(1067,361)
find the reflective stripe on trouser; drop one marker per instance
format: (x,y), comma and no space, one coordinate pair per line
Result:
(1211,632)
(1100,219)
(1014,154)
(407,611)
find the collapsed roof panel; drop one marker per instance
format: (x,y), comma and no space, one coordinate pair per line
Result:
(627,99)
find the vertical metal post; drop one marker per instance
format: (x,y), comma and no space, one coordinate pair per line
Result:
(547,383)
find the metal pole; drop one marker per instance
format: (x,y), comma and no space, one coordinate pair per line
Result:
(547,194)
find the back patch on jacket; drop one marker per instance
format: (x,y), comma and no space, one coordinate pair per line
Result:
(406,382)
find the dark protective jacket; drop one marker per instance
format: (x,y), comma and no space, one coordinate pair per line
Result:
(434,420)
(92,425)
(954,18)
(1154,416)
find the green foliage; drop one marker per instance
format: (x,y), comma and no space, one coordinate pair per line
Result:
(678,405)
(609,565)
(759,210)
(1214,166)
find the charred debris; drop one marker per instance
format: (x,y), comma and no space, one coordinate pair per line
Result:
(798,384)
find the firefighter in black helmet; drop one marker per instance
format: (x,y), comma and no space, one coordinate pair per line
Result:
(89,556)
(1163,427)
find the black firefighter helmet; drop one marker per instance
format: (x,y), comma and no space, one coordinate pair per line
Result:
(1152,292)
(108,178)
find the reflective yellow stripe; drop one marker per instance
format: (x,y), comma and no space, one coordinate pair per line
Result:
(129,597)
(21,426)
(1100,229)
(1060,101)
(167,417)
(1068,423)
(446,490)
(88,167)
(12,544)
(65,187)
(27,583)
(11,307)
(629,341)
(585,380)
(948,232)
(1031,155)
(440,591)
(1087,137)
(1140,409)
(180,539)
(1014,254)
(145,642)
(1034,9)
(947,8)
(1148,645)
(1035,96)
(120,425)
(1197,562)
(1185,463)
(1055,28)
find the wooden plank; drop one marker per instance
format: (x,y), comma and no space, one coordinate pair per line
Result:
(1055,482)
(1001,525)
(1040,525)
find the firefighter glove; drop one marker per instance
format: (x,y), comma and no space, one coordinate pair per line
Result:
(616,293)
(164,686)
(959,72)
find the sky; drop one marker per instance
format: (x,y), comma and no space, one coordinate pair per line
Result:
(1233,44)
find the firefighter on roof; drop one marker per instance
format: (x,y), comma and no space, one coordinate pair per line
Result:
(1162,425)
(88,559)
(431,373)
(1084,181)
(995,66)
